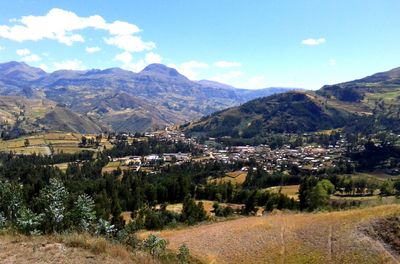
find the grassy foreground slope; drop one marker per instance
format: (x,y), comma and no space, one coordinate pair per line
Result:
(63,249)
(334,237)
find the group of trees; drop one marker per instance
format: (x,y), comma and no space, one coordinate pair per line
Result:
(149,146)
(314,193)
(53,210)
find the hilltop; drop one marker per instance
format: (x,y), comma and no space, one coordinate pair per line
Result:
(291,112)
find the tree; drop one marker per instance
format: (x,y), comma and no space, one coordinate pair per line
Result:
(83,213)
(53,198)
(396,186)
(192,212)
(387,188)
(319,196)
(11,200)
(314,194)
(84,141)
(250,204)
(26,142)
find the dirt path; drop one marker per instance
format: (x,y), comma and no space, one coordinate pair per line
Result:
(286,238)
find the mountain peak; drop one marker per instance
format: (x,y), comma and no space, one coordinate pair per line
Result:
(20,70)
(161,69)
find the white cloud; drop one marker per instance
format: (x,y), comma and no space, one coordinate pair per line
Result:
(124,57)
(240,80)
(227,77)
(152,57)
(313,42)
(332,62)
(226,64)
(127,60)
(27,56)
(130,43)
(190,68)
(122,28)
(61,25)
(69,65)
(92,49)
(31,58)
(23,52)
(44,67)
(2,48)
(256,82)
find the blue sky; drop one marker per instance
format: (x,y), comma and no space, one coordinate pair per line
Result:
(248,44)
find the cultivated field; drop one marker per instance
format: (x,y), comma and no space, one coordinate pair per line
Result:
(292,191)
(45,144)
(208,206)
(331,237)
(236,177)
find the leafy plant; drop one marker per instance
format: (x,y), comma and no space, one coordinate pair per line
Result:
(54,197)
(155,245)
(183,255)
(3,221)
(28,222)
(104,228)
(83,213)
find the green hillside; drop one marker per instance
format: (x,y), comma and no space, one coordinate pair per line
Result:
(372,102)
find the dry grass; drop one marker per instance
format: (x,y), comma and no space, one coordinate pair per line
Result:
(332,237)
(208,206)
(236,177)
(63,249)
(291,191)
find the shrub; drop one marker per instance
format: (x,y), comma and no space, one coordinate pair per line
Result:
(155,245)
(192,212)
(105,228)
(183,255)
(2,221)
(27,221)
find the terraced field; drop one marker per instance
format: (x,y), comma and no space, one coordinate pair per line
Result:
(331,237)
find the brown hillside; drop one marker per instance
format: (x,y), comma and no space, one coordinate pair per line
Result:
(288,238)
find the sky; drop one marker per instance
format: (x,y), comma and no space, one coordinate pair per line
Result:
(247,44)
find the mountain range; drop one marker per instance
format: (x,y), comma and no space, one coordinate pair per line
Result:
(114,99)
(372,102)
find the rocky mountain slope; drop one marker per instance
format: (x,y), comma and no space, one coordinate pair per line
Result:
(122,100)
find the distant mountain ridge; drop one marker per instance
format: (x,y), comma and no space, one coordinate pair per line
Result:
(121,100)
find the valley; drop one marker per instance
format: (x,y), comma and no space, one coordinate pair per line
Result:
(238,185)
(200,132)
